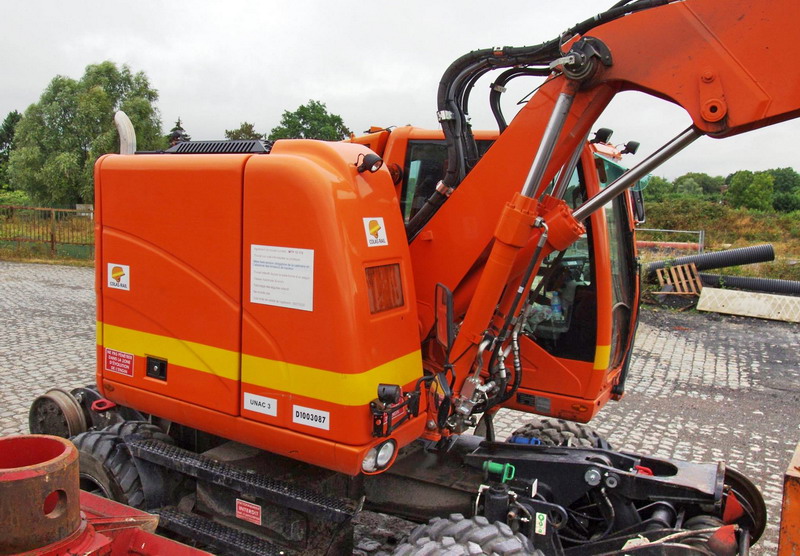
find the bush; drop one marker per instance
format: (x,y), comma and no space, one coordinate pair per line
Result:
(10,197)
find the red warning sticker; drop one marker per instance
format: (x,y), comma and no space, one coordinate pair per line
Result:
(119,362)
(248,511)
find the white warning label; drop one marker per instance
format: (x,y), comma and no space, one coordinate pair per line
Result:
(311,417)
(261,404)
(282,276)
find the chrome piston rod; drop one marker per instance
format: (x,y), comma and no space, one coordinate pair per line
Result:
(551,132)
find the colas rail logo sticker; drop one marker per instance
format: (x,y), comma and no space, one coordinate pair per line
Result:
(119,276)
(375,231)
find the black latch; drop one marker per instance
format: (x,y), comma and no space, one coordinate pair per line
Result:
(156,368)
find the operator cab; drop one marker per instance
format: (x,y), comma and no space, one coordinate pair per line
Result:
(569,278)
(588,332)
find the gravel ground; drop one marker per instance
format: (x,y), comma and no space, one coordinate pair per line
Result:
(703,387)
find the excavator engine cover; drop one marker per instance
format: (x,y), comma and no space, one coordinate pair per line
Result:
(259,297)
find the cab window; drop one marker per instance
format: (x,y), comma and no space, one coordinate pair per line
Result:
(424,167)
(562,317)
(623,265)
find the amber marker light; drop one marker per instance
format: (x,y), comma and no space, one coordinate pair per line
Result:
(385,287)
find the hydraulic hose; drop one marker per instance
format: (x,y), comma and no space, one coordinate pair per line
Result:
(459,77)
(511,321)
(497,89)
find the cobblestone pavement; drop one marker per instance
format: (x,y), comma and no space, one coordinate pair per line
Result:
(47,335)
(702,388)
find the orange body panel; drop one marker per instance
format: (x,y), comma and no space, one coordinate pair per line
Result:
(789,544)
(180,253)
(255,293)
(292,190)
(340,457)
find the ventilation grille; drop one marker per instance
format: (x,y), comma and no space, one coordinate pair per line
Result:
(221,147)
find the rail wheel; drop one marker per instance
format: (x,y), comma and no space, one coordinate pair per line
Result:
(558,432)
(458,535)
(56,412)
(753,513)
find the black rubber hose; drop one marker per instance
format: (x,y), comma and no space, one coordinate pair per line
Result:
(619,10)
(719,259)
(460,75)
(500,83)
(767,285)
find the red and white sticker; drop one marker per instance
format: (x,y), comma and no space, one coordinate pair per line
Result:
(119,362)
(247,511)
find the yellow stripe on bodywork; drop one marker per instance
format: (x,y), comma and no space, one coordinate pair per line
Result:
(200,357)
(602,356)
(310,382)
(338,388)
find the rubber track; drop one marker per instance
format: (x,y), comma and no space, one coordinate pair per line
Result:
(141,429)
(277,492)
(220,537)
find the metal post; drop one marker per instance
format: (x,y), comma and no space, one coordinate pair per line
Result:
(551,132)
(634,174)
(53,232)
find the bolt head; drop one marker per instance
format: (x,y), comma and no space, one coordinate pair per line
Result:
(592,477)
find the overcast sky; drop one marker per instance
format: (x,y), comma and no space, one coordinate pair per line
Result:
(217,64)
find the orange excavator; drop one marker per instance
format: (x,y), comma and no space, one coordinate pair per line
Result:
(289,332)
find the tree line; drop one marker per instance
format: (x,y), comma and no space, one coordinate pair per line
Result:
(777,189)
(47,153)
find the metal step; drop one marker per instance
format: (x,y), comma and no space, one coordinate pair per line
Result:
(254,484)
(223,539)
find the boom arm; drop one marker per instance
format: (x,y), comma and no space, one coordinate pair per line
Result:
(729,65)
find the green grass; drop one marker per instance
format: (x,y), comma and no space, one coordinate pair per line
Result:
(73,255)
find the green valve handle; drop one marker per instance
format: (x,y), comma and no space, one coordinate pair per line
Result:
(506,470)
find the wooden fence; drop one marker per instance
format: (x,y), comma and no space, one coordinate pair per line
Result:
(49,226)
